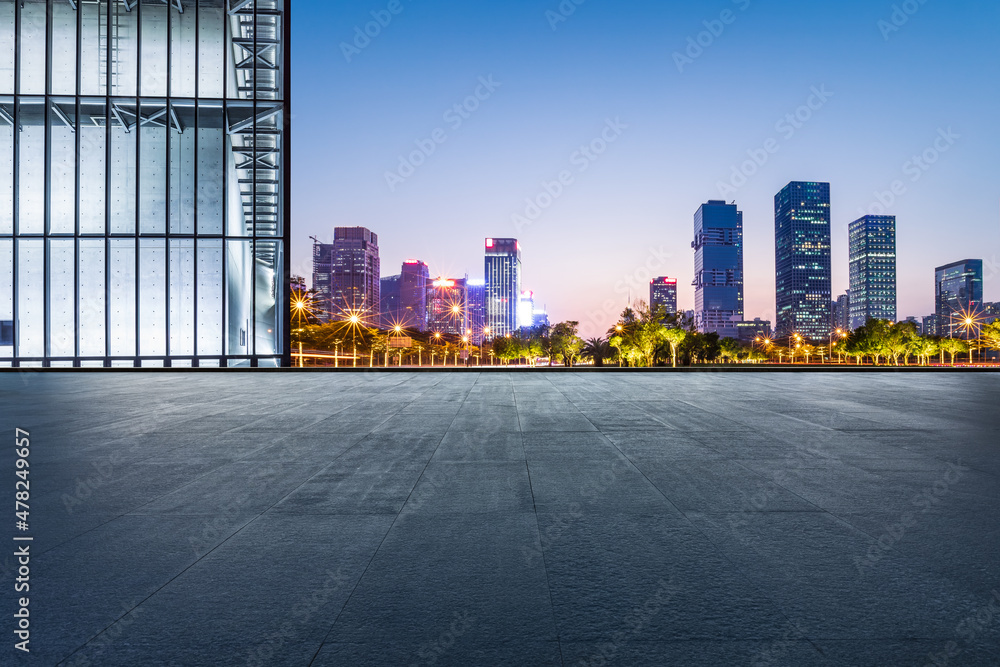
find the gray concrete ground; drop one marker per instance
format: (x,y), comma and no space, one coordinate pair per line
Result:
(508,519)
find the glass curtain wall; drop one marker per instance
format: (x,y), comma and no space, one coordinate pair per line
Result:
(143,187)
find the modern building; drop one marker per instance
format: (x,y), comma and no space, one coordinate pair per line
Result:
(413,294)
(503,285)
(448,306)
(841,312)
(872,240)
(748,331)
(958,287)
(932,326)
(718,268)
(540,318)
(477,309)
(390,304)
(991,311)
(526,310)
(802,260)
(346,274)
(143,187)
(917,323)
(663,292)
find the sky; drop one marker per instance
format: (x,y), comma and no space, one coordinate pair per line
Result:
(592,130)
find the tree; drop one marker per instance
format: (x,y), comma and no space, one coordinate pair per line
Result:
(954,346)
(674,337)
(991,335)
(730,349)
(565,342)
(923,349)
(899,339)
(597,349)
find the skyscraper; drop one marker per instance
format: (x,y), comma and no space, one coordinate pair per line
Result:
(526,310)
(477,309)
(718,268)
(143,186)
(842,312)
(390,307)
(872,269)
(503,285)
(413,294)
(957,287)
(448,306)
(663,292)
(346,274)
(802,260)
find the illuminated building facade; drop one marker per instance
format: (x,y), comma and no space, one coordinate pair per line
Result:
(346,274)
(958,287)
(663,292)
(718,268)
(872,269)
(477,309)
(448,306)
(802,260)
(503,285)
(143,183)
(413,294)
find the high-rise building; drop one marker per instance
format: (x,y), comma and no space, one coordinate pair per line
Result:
(526,310)
(842,312)
(802,260)
(958,287)
(503,285)
(143,188)
(448,306)
(540,318)
(346,274)
(718,268)
(663,292)
(748,331)
(390,303)
(477,309)
(872,269)
(413,294)
(932,326)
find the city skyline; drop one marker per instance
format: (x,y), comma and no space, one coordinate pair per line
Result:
(683,137)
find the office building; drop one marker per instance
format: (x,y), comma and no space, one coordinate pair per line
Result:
(477,309)
(390,304)
(413,294)
(748,331)
(802,260)
(872,240)
(718,268)
(958,287)
(932,326)
(503,285)
(143,189)
(540,318)
(663,292)
(841,312)
(346,275)
(526,310)
(448,306)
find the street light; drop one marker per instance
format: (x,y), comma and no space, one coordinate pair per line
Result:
(838,332)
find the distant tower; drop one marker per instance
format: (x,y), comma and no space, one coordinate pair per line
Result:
(663,292)
(503,285)
(957,286)
(448,306)
(346,273)
(873,269)
(718,268)
(802,260)
(413,294)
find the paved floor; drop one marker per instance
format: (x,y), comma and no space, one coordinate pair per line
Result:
(509,519)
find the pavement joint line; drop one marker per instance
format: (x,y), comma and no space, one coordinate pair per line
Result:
(402,507)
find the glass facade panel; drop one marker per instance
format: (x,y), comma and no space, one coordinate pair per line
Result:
(62,179)
(142,197)
(152,297)
(92,312)
(63,49)
(29,327)
(93,170)
(32,47)
(62,298)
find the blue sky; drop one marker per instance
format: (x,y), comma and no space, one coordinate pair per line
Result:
(882,91)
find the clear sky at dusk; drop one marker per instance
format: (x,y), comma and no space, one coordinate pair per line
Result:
(883,90)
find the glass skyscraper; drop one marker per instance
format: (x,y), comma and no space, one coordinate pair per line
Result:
(957,287)
(872,269)
(663,292)
(143,182)
(718,268)
(413,294)
(802,260)
(503,286)
(346,275)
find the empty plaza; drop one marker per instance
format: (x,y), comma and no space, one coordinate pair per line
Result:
(509,518)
